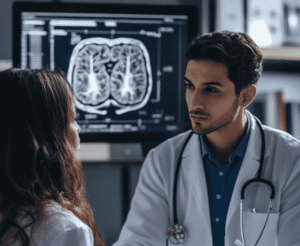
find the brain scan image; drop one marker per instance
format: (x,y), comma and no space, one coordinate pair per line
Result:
(104,72)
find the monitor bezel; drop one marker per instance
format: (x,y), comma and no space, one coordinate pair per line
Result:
(191,11)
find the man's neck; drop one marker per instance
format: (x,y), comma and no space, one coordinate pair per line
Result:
(224,141)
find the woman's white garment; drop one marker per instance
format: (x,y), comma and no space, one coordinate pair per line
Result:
(58,227)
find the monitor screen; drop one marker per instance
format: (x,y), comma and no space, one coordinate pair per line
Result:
(125,63)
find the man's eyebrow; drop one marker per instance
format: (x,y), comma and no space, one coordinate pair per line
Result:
(213,83)
(207,83)
(186,79)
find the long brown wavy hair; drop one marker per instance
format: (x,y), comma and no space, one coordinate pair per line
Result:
(37,163)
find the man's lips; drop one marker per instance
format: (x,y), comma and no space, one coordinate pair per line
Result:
(197,116)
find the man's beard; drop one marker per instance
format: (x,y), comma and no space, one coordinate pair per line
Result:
(225,119)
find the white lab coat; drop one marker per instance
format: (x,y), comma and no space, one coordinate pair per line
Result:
(151,212)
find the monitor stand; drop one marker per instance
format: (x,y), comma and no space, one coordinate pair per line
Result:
(126,151)
(106,152)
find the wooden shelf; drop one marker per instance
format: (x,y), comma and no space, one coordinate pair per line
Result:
(281,53)
(281,59)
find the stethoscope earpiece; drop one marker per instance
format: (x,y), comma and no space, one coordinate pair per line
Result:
(176,234)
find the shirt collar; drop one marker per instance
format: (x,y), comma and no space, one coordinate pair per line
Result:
(238,152)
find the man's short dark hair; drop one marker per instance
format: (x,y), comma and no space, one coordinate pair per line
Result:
(236,50)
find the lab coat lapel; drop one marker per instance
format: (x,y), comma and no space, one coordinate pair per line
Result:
(193,171)
(248,168)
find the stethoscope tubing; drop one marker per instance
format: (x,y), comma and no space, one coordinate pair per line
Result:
(261,161)
(176,178)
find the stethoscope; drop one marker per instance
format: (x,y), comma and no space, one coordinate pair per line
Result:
(177,233)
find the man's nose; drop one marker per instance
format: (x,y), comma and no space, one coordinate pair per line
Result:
(197,101)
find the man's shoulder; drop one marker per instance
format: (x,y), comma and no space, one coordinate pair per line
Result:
(277,134)
(281,139)
(174,142)
(168,151)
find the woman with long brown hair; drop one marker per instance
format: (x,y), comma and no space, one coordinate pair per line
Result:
(42,199)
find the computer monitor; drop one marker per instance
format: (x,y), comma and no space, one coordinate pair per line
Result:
(125,63)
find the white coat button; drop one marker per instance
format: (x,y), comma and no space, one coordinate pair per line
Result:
(218,196)
(217,219)
(221,173)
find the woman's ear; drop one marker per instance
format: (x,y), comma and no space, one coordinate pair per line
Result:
(247,95)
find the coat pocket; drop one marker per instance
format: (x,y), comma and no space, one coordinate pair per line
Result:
(253,224)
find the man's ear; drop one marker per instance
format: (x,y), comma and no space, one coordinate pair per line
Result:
(247,95)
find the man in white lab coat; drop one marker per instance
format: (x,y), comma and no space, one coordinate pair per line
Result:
(222,154)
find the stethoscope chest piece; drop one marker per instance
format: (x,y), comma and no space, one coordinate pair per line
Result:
(176,234)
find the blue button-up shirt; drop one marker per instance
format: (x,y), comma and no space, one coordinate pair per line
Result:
(220,183)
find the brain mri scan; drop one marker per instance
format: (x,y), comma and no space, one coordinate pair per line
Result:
(105,72)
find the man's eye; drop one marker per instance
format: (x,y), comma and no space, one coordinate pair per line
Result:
(188,85)
(210,89)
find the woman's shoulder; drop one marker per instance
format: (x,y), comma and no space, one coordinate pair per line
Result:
(56,224)
(54,214)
